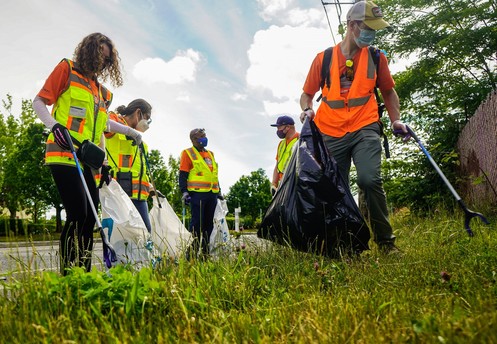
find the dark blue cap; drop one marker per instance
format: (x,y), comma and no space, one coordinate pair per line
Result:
(283,120)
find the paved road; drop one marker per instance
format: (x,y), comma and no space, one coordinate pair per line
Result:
(43,256)
(38,256)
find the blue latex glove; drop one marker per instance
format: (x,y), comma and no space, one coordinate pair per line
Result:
(186,198)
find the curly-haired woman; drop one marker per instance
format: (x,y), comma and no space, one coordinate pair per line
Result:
(80,104)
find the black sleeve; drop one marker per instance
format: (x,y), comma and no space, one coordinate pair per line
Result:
(183,177)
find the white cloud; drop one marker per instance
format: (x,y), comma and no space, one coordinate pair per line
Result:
(280,58)
(271,9)
(183,97)
(180,69)
(238,96)
(284,12)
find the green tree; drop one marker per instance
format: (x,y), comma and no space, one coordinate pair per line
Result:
(9,193)
(34,180)
(251,193)
(166,177)
(454,42)
(452,45)
(26,185)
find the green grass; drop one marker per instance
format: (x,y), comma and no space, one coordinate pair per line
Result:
(442,289)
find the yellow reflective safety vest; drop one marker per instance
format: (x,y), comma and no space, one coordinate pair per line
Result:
(83,113)
(200,177)
(284,153)
(123,156)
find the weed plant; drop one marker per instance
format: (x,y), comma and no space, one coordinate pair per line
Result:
(441,288)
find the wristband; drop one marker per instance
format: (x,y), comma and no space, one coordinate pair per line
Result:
(307,108)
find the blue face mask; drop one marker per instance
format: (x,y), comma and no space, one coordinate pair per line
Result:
(366,38)
(202,141)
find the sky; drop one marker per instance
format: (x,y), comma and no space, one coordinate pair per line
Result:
(229,66)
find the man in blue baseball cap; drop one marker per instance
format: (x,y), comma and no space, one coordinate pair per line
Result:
(285,126)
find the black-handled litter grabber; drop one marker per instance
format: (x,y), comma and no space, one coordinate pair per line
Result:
(469,214)
(108,250)
(150,174)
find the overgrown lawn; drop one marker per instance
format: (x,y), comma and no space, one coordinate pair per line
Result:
(442,288)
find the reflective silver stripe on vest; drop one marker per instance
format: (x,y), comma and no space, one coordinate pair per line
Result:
(75,78)
(126,161)
(340,104)
(54,148)
(371,66)
(358,101)
(192,153)
(144,188)
(334,104)
(76,124)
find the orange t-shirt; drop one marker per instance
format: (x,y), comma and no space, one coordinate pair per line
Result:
(186,163)
(58,81)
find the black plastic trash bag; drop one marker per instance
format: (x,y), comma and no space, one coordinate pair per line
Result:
(313,209)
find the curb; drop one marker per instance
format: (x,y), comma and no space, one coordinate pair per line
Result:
(16,244)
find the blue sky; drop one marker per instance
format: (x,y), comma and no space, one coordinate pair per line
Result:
(229,66)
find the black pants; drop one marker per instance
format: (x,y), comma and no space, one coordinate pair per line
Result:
(76,239)
(203,206)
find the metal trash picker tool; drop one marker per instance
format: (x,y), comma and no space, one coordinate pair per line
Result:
(108,250)
(469,214)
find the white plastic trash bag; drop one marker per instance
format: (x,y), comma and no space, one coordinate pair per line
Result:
(124,226)
(220,236)
(169,235)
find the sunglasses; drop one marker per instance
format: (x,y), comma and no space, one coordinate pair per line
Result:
(349,70)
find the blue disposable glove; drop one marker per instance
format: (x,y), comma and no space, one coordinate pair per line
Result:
(186,198)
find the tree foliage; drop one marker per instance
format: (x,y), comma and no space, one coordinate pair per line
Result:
(251,193)
(454,43)
(166,177)
(25,183)
(452,47)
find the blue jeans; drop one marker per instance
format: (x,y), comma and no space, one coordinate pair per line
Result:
(142,208)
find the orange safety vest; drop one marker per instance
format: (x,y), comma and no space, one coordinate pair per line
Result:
(338,115)
(200,177)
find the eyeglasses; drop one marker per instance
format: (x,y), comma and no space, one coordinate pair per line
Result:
(146,117)
(349,70)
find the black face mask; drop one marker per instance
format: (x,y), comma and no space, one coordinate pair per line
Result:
(281,133)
